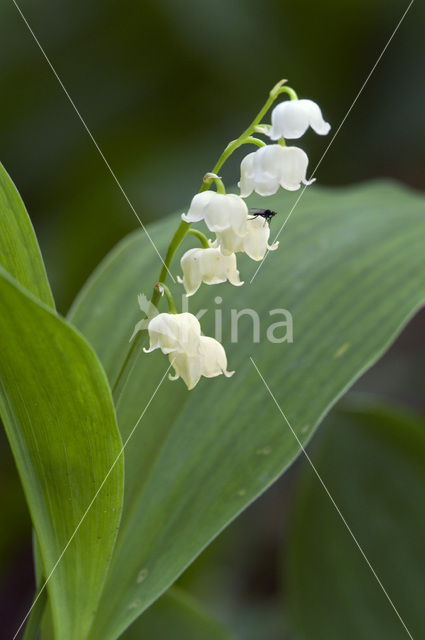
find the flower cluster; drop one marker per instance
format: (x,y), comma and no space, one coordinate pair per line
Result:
(192,355)
(227,216)
(277,165)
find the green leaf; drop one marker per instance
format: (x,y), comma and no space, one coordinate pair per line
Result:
(58,413)
(19,251)
(177,616)
(372,460)
(351,270)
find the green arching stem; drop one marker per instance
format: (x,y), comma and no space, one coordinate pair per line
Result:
(183,228)
(163,289)
(257,141)
(209,178)
(291,93)
(201,236)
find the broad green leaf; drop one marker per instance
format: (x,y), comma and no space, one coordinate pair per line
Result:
(58,414)
(19,251)
(372,460)
(351,270)
(176,616)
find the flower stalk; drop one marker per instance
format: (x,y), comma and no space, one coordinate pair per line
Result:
(210,177)
(201,236)
(270,167)
(164,290)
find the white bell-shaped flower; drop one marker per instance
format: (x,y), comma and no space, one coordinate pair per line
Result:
(255,243)
(291,119)
(174,332)
(271,167)
(210,266)
(210,361)
(220,211)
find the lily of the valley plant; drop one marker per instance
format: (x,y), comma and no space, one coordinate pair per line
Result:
(226,215)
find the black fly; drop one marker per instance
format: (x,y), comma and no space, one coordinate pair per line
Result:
(267,214)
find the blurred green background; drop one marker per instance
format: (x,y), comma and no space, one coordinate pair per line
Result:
(164,85)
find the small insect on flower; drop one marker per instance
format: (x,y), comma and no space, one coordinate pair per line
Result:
(267,214)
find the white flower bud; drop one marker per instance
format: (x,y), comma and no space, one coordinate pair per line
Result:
(254,243)
(219,210)
(174,332)
(210,361)
(210,266)
(291,119)
(272,166)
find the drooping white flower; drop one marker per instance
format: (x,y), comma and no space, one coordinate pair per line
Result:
(174,332)
(271,167)
(220,211)
(291,119)
(210,266)
(210,361)
(254,243)
(191,355)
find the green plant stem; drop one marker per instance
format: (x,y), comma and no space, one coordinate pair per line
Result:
(256,141)
(209,178)
(291,93)
(201,236)
(183,228)
(32,627)
(164,290)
